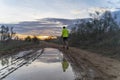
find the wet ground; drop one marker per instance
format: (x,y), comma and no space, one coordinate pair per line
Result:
(44,64)
(49,64)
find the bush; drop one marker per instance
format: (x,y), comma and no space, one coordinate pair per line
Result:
(28,39)
(35,40)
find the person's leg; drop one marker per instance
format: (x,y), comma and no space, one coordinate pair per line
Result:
(64,43)
(67,44)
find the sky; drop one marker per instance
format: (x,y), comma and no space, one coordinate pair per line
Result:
(14,11)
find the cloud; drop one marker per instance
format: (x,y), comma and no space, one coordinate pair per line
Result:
(84,13)
(76,12)
(45,26)
(81,13)
(52,31)
(100,9)
(29,10)
(14,11)
(25,14)
(114,3)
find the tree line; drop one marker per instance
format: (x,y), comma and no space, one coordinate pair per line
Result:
(100,30)
(8,34)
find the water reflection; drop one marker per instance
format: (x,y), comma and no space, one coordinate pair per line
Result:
(49,66)
(9,64)
(65,65)
(8,60)
(4,61)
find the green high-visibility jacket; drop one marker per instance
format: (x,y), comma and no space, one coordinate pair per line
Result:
(65,33)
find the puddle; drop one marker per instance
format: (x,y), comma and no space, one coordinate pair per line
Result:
(9,64)
(8,60)
(47,64)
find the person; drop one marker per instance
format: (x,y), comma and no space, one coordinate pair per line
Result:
(65,35)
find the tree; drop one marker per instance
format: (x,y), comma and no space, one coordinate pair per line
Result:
(99,28)
(28,39)
(6,33)
(12,33)
(35,39)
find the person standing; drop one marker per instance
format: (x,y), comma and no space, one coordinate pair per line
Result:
(65,35)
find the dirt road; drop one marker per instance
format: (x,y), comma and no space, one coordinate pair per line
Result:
(85,65)
(90,65)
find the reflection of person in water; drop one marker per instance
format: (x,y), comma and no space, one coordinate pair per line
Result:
(65,64)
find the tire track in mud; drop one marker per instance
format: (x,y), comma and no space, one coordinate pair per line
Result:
(17,63)
(14,61)
(83,69)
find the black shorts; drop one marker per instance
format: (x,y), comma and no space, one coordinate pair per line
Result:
(65,38)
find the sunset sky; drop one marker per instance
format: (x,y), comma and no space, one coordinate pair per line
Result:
(46,17)
(13,11)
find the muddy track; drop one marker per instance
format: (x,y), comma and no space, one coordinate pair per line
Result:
(85,65)
(19,62)
(84,69)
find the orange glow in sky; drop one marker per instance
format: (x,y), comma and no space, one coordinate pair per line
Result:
(23,36)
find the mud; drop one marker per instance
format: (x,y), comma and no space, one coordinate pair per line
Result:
(91,65)
(83,65)
(44,64)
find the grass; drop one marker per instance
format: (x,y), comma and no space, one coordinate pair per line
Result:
(104,50)
(14,46)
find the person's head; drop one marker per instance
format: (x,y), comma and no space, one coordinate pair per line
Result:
(64,27)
